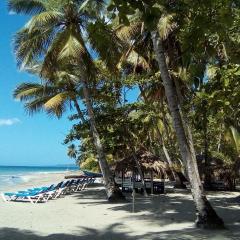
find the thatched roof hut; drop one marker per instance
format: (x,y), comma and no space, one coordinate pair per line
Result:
(147,161)
(219,169)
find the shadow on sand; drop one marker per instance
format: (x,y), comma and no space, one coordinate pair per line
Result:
(162,210)
(167,206)
(112,233)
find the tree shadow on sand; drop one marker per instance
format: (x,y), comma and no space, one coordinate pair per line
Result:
(112,233)
(168,209)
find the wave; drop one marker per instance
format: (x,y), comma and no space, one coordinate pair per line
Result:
(9,180)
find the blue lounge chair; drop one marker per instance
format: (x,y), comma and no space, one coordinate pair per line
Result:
(37,194)
(33,197)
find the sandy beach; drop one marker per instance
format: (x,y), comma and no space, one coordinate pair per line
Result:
(87,215)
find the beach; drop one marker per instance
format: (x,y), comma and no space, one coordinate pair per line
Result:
(87,215)
(12,177)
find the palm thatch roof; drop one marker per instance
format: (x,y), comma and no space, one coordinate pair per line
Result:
(218,164)
(147,161)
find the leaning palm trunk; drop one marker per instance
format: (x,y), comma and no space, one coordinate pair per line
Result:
(178,182)
(80,114)
(206,215)
(113,192)
(161,141)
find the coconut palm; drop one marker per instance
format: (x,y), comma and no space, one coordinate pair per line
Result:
(206,213)
(57,33)
(139,53)
(53,96)
(72,152)
(206,216)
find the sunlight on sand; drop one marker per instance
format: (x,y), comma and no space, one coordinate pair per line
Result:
(87,215)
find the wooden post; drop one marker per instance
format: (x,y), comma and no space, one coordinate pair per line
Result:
(140,172)
(122,179)
(151,181)
(133,193)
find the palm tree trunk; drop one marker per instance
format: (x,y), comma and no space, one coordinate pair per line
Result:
(220,137)
(80,114)
(206,215)
(161,141)
(207,169)
(113,192)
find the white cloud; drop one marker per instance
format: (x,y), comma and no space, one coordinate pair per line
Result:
(9,122)
(11,12)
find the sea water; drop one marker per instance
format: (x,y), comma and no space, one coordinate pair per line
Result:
(13,175)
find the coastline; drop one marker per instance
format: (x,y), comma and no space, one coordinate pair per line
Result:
(36,180)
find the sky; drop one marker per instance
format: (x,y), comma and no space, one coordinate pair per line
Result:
(25,140)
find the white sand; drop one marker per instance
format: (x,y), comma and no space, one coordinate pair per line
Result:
(88,216)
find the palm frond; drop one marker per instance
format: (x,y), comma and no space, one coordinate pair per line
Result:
(234,138)
(26,6)
(30,46)
(58,110)
(72,47)
(129,33)
(64,46)
(26,91)
(44,19)
(34,68)
(166,25)
(56,100)
(106,43)
(68,46)
(137,60)
(35,105)
(222,157)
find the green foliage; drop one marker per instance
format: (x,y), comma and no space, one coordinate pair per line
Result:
(101,33)
(201,43)
(90,164)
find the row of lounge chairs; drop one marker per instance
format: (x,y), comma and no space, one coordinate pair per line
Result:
(43,194)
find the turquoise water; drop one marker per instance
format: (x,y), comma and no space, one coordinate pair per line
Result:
(11,175)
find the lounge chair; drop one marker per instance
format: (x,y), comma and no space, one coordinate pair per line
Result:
(35,194)
(33,197)
(85,183)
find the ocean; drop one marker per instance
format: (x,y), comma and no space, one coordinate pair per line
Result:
(13,175)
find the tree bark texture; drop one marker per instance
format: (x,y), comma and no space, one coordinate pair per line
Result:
(113,192)
(161,141)
(80,114)
(206,215)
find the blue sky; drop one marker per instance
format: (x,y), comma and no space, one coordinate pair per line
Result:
(25,140)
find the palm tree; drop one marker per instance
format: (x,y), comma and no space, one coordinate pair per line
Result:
(206,216)
(160,137)
(56,34)
(53,96)
(139,52)
(72,152)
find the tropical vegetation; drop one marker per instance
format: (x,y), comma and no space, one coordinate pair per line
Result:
(181,58)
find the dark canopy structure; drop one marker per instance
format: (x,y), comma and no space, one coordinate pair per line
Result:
(147,161)
(142,171)
(223,176)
